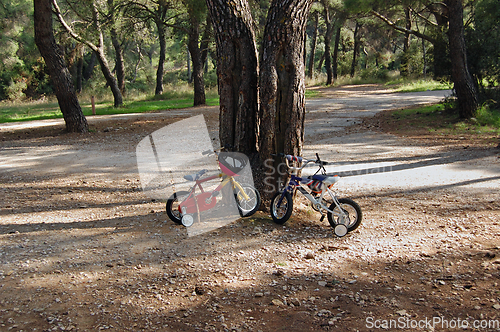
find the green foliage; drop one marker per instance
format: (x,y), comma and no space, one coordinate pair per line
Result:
(483,40)
(488,116)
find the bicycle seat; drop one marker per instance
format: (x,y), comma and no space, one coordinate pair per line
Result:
(328,180)
(195,176)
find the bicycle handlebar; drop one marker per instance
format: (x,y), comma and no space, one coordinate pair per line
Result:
(302,161)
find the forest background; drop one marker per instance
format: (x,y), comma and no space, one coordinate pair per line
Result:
(157,50)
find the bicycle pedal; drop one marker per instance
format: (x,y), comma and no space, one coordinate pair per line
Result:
(322,218)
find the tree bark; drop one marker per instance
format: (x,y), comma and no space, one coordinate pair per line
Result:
(237,73)
(282,84)
(61,78)
(310,70)
(463,82)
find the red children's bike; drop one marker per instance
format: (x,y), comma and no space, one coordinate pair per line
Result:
(183,207)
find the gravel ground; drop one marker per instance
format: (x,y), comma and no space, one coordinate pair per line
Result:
(83,249)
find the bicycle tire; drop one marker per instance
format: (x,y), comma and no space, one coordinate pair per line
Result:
(349,206)
(282,213)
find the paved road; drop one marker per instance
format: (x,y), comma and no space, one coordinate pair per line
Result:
(372,163)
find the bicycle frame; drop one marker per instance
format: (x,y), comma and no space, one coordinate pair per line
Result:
(206,200)
(296,182)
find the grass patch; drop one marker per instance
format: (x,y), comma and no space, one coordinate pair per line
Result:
(172,98)
(310,94)
(419,85)
(39,111)
(437,123)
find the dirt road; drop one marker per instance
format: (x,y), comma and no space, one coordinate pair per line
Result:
(83,249)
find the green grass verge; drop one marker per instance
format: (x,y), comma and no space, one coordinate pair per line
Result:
(437,118)
(40,111)
(419,85)
(169,100)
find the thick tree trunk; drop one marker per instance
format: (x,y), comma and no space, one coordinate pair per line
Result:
(463,82)
(61,78)
(282,84)
(356,50)
(194,50)
(237,73)
(335,60)
(310,69)
(161,60)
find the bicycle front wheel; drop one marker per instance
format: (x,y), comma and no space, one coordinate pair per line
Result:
(249,206)
(281,211)
(352,213)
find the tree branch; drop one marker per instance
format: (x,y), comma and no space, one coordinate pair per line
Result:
(425,18)
(402,29)
(73,34)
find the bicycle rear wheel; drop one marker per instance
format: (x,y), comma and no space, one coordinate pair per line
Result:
(281,211)
(172,206)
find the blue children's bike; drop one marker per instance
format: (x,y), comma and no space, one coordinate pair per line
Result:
(343,214)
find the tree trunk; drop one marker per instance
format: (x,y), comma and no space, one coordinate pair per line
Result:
(119,62)
(161,60)
(194,50)
(61,78)
(282,84)
(79,72)
(335,60)
(237,73)
(205,41)
(328,39)
(321,61)
(110,79)
(310,70)
(404,70)
(356,50)
(463,82)
(89,70)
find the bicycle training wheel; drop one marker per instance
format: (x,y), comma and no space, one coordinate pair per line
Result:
(352,211)
(249,206)
(173,206)
(281,212)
